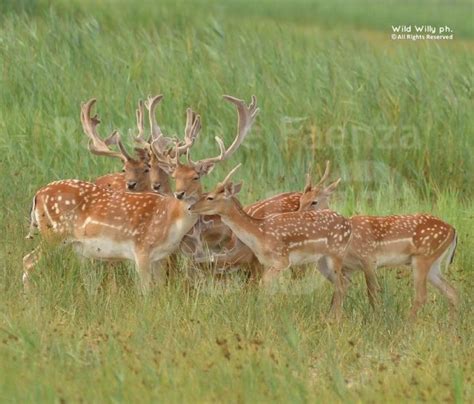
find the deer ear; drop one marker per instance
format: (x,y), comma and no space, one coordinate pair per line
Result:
(237,188)
(231,189)
(331,187)
(205,169)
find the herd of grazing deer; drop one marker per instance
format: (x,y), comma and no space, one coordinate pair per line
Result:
(135,215)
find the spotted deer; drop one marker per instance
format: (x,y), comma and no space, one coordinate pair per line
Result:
(140,173)
(103,224)
(419,240)
(237,253)
(283,240)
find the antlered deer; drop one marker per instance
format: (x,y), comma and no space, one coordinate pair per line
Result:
(283,240)
(141,173)
(188,176)
(420,240)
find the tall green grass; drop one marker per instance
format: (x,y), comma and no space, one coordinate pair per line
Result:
(395,119)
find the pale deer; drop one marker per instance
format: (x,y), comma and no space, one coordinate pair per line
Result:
(108,225)
(283,240)
(419,240)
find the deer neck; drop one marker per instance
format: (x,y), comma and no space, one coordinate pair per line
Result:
(246,228)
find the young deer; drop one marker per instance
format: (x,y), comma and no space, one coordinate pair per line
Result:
(108,225)
(283,240)
(236,252)
(420,240)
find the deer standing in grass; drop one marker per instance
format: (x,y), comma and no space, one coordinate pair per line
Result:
(283,240)
(419,240)
(103,224)
(236,252)
(141,173)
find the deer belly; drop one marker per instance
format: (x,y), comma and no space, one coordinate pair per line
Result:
(395,252)
(303,257)
(104,248)
(393,259)
(306,251)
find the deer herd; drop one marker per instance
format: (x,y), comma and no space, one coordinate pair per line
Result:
(135,215)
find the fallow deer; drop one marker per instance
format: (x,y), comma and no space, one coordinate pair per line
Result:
(419,240)
(108,225)
(283,240)
(135,175)
(143,172)
(236,252)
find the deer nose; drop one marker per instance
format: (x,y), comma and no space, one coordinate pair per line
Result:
(179,195)
(156,187)
(131,184)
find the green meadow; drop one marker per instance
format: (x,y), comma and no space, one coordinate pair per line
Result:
(395,118)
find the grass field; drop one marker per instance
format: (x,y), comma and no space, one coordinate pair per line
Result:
(394,117)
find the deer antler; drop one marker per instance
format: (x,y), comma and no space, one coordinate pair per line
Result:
(191,131)
(309,183)
(140,114)
(231,173)
(151,103)
(96,145)
(170,156)
(246,116)
(325,175)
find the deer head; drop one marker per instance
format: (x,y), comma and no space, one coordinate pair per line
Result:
(135,169)
(316,197)
(188,176)
(221,199)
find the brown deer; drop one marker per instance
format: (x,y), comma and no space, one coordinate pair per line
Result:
(283,240)
(135,175)
(141,173)
(108,225)
(419,240)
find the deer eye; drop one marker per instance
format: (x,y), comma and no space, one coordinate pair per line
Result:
(123,170)
(314,203)
(196,179)
(147,170)
(210,198)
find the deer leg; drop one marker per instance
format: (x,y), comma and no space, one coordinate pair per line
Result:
(421,268)
(271,274)
(325,268)
(334,265)
(438,281)
(297,273)
(144,269)
(373,288)
(158,272)
(29,262)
